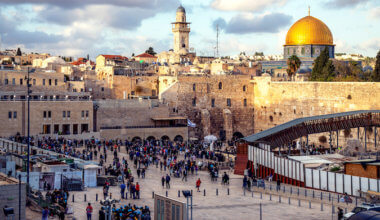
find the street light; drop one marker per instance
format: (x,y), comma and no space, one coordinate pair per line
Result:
(187,194)
(28,155)
(19,196)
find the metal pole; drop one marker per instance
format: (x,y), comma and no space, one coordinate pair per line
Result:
(19,196)
(187,208)
(28,155)
(330,143)
(375,135)
(261,212)
(365,139)
(337,139)
(191,207)
(358,132)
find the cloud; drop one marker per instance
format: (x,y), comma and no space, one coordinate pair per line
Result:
(375,12)
(153,4)
(247,23)
(344,3)
(220,22)
(10,34)
(245,5)
(103,15)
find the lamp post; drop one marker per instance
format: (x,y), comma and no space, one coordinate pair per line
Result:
(28,97)
(19,196)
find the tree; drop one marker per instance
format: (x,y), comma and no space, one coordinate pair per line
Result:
(150,51)
(376,72)
(133,54)
(294,64)
(323,69)
(18,53)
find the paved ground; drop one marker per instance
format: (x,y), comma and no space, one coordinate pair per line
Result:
(211,206)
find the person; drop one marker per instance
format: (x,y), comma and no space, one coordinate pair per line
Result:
(122,190)
(184,175)
(198,184)
(340,213)
(278,184)
(45,213)
(167,181)
(163,181)
(89,211)
(137,190)
(270,177)
(105,192)
(138,173)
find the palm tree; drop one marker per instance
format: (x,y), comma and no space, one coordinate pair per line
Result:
(294,64)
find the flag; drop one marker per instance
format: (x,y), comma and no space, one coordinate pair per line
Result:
(190,124)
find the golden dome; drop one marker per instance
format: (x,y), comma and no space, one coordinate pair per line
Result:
(309,30)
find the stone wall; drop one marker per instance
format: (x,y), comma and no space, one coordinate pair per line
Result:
(278,102)
(17,123)
(133,112)
(144,133)
(204,100)
(9,196)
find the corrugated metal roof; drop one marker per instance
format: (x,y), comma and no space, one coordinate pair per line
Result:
(276,129)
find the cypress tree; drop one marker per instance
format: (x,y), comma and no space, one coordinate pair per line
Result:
(323,69)
(376,72)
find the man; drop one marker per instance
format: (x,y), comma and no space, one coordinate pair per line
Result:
(89,211)
(167,181)
(198,184)
(45,213)
(163,181)
(137,190)
(184,175)
(278,184)
(122,190)
(340,213)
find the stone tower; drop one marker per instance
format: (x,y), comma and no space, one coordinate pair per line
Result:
(181,30)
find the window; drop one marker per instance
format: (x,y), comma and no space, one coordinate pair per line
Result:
(49,114)
(43,82)
(14,114)
(46,129)
(245,102)
(86,114)
(13,81)
(68,114)
(213,103)
(244,88)
(56,129)
(49,82)
(56,82)
(75,128)
(84,127)
(229,102)
(21,81)
(5,81)
(82,114)
(64,114)
(10,115)
(102,89)
(194,101)
(194,87)
(303,51)
(220,85)
(34,82)
(44,114)
(74,90)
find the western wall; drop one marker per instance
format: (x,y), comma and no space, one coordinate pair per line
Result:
(278,102)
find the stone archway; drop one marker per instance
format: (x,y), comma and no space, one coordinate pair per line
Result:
(178,139)
(136,139)
(237,135)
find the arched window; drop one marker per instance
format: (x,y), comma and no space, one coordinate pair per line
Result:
(244,88)
(194,87)
(194,101)
(220,85)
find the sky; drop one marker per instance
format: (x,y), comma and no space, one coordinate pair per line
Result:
(80,27)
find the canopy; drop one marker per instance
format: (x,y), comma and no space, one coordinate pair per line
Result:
(210,138)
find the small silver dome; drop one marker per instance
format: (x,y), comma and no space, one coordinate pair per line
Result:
(181,9)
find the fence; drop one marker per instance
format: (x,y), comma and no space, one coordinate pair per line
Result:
(263,158)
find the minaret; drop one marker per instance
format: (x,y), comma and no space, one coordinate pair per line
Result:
(181,30)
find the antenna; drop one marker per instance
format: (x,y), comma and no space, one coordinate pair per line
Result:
(217,40)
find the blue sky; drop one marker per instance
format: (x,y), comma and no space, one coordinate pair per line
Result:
(77,28)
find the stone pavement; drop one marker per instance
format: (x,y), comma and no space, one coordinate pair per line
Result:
(211,206)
